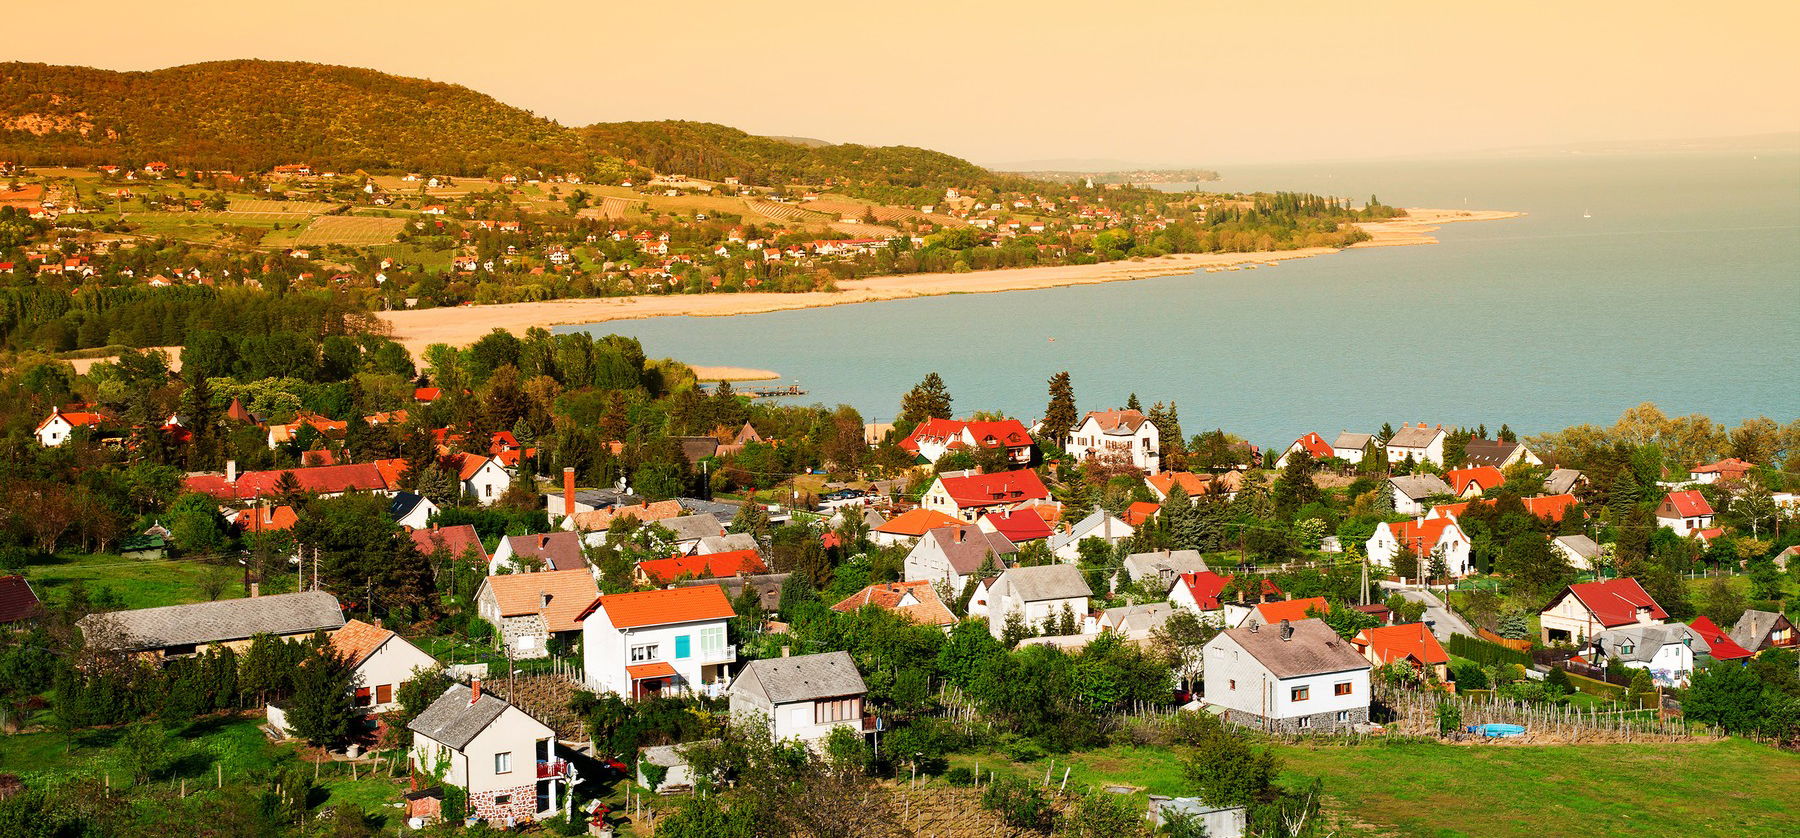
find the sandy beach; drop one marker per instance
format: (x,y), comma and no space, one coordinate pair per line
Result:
(462,325)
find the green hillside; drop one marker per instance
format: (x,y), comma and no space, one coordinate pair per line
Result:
(252,115)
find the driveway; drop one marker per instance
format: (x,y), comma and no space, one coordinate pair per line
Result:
(1442,620)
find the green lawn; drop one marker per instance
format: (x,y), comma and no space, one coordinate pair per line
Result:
(141,583)
(1728,788)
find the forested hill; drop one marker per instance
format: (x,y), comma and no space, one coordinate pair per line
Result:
(252,115)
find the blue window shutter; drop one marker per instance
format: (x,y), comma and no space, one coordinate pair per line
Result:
(681,646)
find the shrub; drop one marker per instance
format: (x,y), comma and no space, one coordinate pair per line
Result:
(960,776)
(1019,803)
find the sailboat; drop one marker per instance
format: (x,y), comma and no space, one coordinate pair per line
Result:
(1586,214)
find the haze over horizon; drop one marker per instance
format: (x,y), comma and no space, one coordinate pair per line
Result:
(1183,84)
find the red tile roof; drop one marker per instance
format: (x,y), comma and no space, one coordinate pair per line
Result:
(1421,537)
(1192,484)
(425,394)
(1292,610)
(1004,433)
(570,592)
(710,566)
(926,608)
(1730,468)
(654,608)
(1314,445)
(1487,477)
(1113,420)
(641,671)
(1206,586)
(1721,644)
(1408,641)
(998,488)
(17,600)
(456,540)
(1614,602)
(1139,512)
(357,640)
(1553,507)
(1688,504)
(318,480)
(264,519)
(915,522)
(1020,525)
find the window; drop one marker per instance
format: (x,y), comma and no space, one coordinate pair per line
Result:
(682,648)
(641,654)
(502,799)
(488,490)
(1343,715)
(1300,693)
(362,696)
(1625,648)
(1233,683)
(826,711)
(1342,688)
(1303,722)
(384,694)
(503,762)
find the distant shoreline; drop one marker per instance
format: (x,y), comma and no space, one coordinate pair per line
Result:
(462,325)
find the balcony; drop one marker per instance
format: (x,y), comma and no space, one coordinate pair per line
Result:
(552,769)
(727,654)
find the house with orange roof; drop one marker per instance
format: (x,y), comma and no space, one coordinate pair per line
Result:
(1422,538)
(1409,642)
(1314,445)
(710,566)
(1193,485)
(1139,513)
(917,601)
(1728,470)
(1203,592)
(1292,610)
(1124,436)
(650,643)
(1473,482)
(262,519)
(458,541)
(1684,512)
(59,425)
(482,477)
(933,438)
(282,434)
(909,526)
(380,661)
(527,610)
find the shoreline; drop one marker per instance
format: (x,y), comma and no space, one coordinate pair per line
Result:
(463,325)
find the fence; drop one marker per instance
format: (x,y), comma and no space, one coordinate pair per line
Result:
(1485,653)
(1416,713)
(1520,645)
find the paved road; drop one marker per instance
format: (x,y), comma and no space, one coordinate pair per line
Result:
(1442,620)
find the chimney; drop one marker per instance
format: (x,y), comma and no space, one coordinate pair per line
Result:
(378,622)
(474,691)
(231,471)
(1643,614)
(785,650)
(255,590)
(1287,630)
(568,492)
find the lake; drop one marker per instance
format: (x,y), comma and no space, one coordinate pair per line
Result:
(1682,288)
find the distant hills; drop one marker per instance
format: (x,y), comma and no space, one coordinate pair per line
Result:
(251,115)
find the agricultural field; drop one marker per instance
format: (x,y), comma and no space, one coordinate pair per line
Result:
(1430,790)
(208,226)
(785,212)
(354,230)
(141,583)
(264,205)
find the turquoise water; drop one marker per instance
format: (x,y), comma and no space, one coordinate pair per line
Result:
(1683,288)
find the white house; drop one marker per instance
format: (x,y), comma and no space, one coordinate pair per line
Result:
(1118,436)
(1424,444)
(1039,595)
(1066,545)
(1313,444)
(483,478)
(59,426)
(639,644)
(1289,677)
(1411,490)
(1497,453)
(953,554)
(1351,448)
(505,759)
(1580,550)
(1586,609)
(1424,538)
(1163,566)
(1667,651)
(1684,512)
(968,496)
(381,661)
(412,511)
(804,697)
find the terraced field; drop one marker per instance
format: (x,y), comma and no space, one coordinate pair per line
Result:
(254,205)
(350,230)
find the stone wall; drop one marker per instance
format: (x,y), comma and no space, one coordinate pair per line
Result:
(1319,722)
(530,625)
(522,805)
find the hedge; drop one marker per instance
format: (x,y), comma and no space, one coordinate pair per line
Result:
(1485,653)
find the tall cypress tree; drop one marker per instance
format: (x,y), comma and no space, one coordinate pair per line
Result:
(1060,415)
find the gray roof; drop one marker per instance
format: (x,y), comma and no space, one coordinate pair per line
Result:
(801,678)
(1418,486)
(1644,641)
(726,543)
(692,527)
(403,504)
(1413,436)
(453,721)
(1562,481)
(1176,562)
(1580,545)
(598,498)
(1753,628)
(1314,649)
(1135,619)
(230,619)
(1349,441)
(971,553)
(1487,452)
(1036,584)
(1098,524)
(696,506)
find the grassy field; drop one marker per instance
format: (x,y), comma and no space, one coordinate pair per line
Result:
(350,230)
(1727,788)
(291,207)
(143,583)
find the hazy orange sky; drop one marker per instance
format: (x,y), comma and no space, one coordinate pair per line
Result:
(1189,83)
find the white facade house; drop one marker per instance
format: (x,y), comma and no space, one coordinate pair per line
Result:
(505,759)
(1667,651)
(953,554)
(1039,595)
(1118,436)
(412,511)
(804,697)
(1424,444)
(381,661)
(642,644)
(59,426)
(1410,491)
(1289,677)
(1352,447)
(1425,538)
(1585,609)
(1066,545)
(1685,512)
(484,478)
(1580,550)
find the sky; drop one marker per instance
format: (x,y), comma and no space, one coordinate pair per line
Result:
(1168,82)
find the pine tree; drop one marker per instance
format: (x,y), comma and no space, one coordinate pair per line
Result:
(1506,434)
(320,710)
(1060,415)
(1387,432)
(930,399)
(1131,403)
